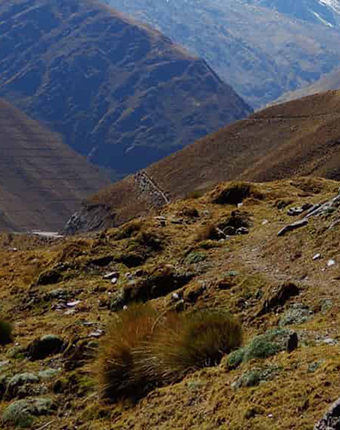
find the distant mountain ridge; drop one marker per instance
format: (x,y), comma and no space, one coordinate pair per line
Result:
(298,138)
(326,12)
(118,91)
(263,48)
(330,81)
(42,181)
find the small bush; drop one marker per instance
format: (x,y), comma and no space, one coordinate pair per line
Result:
(6,329)
(144,349)
(128,230)
(208,232)
(187,343)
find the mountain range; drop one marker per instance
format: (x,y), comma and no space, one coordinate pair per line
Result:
(42,180)
(263,48)
(119,92)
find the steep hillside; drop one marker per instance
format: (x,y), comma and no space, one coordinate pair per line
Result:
(197,257)
(296,138)
(326,12)
(331,81)
(42,181)
(119,92)
(263,48)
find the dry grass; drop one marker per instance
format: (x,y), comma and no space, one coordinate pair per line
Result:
(207,232)
(117,373)
(143,349)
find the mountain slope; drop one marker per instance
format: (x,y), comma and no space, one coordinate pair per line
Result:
(296,138)
(326,12)
(42,181)
(331,81)
(260,51)
(119,92)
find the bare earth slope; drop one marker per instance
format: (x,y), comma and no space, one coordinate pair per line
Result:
(119,92)
(296,138)
(42,180)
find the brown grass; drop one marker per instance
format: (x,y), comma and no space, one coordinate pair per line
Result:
(144,349)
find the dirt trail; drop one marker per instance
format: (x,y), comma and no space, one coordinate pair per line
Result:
(150,190)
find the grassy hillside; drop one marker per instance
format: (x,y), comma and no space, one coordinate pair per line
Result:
(279,287)
(296,138)
(42,181)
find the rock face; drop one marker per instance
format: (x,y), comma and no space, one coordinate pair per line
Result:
(233,37)
(42,181)
(119,92)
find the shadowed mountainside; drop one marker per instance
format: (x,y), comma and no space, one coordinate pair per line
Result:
(263,48)
(296,138)
(41,179)
(118,91)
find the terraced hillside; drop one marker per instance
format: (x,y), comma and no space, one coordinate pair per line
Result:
(297,138)
(42,181)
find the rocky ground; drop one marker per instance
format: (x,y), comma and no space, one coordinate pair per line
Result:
(221,250)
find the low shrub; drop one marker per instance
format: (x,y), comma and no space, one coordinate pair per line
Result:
(6,330)
(207,232)
(144,349)
(186,343)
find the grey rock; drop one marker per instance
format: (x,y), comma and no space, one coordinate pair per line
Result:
(22,412)
(242,230)
(294,226)
(295,211)
(331,419)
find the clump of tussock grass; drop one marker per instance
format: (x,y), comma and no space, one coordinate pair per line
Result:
(144,349)
(207,232)
(6,330)
(118,375)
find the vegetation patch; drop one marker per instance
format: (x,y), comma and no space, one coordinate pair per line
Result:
(235,193)
(260,347)
(144,349)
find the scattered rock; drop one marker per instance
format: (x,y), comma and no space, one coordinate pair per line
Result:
(242,230)
(295,211)
(294,226)
(45,346)
(331,419)
(111,275)
(22,412)
(330,263)
(317,256)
